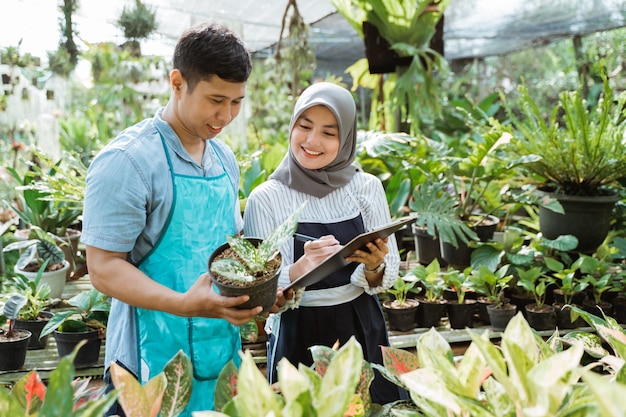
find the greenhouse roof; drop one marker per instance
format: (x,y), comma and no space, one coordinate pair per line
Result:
(473,28)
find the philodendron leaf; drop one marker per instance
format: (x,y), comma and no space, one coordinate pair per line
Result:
(248,253)
(231,269)
(280,235)
(179,374)
(135,399)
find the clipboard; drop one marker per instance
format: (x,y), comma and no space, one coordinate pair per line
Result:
(337,260)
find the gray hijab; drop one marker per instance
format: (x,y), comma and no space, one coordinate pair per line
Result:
(323,181)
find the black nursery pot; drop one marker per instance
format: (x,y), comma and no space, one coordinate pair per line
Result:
(13,351)
(262,293)
(87,355)
(35,327)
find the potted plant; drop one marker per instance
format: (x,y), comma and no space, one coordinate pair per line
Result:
(569,292)
(490,286)
(401,311)
(453,202)
(51,198)
(86,319)
(13,342)
(42,248)
(33,316)
(248,265)
(460,310)
(432,305)
(576,157)
(535,281)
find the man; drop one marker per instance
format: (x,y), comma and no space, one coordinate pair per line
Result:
(159,199)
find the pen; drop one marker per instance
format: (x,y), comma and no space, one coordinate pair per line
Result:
(304,238)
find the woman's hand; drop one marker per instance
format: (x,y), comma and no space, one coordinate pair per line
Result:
(315,251)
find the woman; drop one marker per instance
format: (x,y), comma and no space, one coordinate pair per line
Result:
(343,202)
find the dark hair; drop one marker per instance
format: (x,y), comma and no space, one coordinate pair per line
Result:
(208,49)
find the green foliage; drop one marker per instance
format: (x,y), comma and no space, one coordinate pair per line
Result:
(37,296)
(64,396)
(579,149)
(138,22)
(488,283)
(303,391)
(535,282)
(254,259)
(429,278)
(41,248)
(401,289)
(89,308)
(408,27)
(458,281)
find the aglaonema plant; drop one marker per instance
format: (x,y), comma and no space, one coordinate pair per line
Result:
(254,259)
(165,394)
(303,391)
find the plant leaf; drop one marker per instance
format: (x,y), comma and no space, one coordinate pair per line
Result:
(279,235)
(231,269)
(179,374)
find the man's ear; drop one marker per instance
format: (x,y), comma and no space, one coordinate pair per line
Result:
(177,81)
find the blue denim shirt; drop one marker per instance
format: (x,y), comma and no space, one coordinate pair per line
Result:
(128,197)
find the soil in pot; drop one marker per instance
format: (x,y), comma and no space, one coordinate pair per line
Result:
(13,350)
(262,291)
(500,315)
(88,354)
(35,327)
(461,316)
(541,318)
(402,318)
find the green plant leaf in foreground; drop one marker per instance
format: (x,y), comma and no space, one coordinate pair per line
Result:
(179,374)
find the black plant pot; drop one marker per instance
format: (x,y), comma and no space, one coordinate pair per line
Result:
(481,309)
(499,316)
(619,310)
(564,319)
(460,257)
(591,307)
(13,351)
(588,218)
(543,318)
(262,293)
(401,318)
(35,327)
(461,316)
(521,300)
(87,355)
(429,314)
(428,247)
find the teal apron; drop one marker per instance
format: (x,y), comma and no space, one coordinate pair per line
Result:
(200,218)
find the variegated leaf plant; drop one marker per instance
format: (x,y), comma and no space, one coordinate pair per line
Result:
(254,258)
